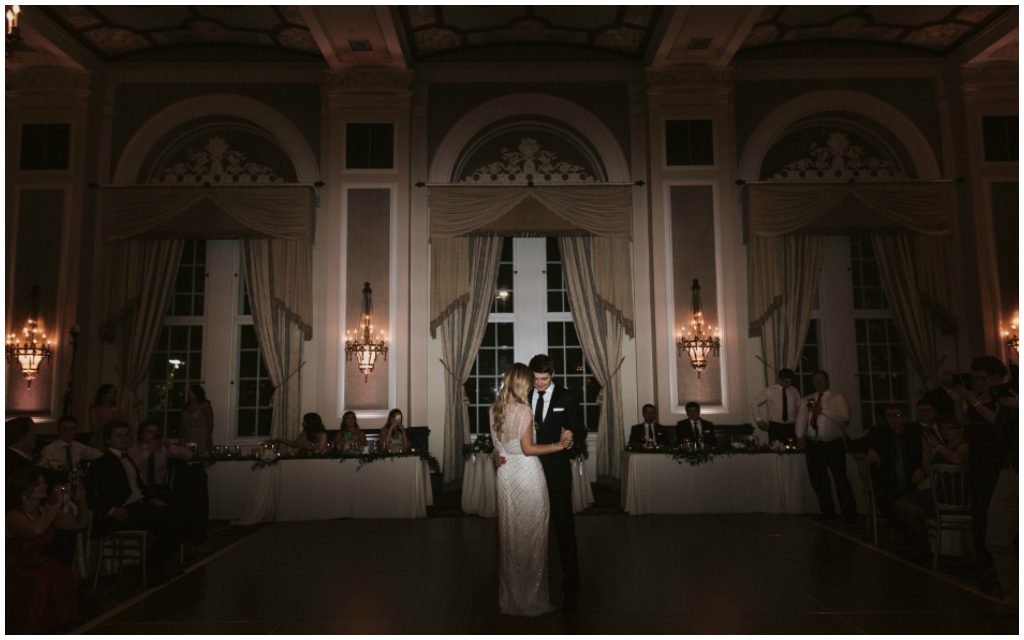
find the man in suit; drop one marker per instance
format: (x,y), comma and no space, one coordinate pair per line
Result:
(820,430)
(774,409)
(696,429)
(21,442)
(895,452)
(120,499)
(65,452)
(651,434)
(556,409)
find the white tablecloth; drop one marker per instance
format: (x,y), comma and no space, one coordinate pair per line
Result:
(319,490)
(479,495)
(741,483)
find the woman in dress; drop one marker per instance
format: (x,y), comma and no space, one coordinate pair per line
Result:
(522,499)
(41,592)
(197,419)
(313,436)
(350,436)
(394,434)
(103,410)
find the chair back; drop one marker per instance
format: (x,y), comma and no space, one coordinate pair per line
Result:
(867,484)
(950,489)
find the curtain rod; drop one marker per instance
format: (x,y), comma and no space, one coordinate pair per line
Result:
(743,183)
(207,185)
(530,184)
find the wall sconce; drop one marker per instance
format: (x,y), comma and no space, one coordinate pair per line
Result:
(1010,337)
(13,41)
(30,347)
(699,342)
(365,349)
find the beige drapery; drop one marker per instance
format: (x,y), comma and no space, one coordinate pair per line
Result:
(269,268)
(273,212)
(601,211)
(139,285)
(778,212)
(600,334)
(461,334)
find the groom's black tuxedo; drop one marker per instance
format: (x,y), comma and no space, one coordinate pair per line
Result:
(563,412)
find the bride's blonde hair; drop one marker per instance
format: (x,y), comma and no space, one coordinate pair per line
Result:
(515,388)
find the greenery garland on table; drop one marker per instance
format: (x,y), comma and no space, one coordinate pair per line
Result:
(702,456)
(363,458)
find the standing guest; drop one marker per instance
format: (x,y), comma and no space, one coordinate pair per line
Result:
(774,409)
(65,452)
(197,419)
(991,432)
(350,436)
(21,442)
(650,434)
(928,419)
(393,434)
(895,451)
(41,593)
(103,410)
(120,500)
(696,429)
(820,429)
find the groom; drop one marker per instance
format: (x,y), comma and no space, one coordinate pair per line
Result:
(554,409)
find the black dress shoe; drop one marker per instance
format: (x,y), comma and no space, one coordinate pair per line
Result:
(570,604)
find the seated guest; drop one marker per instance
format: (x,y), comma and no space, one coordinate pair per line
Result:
(120,499)
(21,441)
(350,436)
(103,410)
(695,429)
(65,452)
(312,437)
(650,434)
(894,449)
(151,454)
(913,509)
(394,434)
(41,592)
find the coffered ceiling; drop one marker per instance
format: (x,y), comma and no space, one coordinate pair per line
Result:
(407,36)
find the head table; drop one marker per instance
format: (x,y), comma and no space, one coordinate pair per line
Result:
(319,489)
(765,482)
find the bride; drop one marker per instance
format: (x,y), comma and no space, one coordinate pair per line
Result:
(522,499)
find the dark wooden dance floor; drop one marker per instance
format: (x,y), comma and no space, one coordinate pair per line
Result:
(737,574)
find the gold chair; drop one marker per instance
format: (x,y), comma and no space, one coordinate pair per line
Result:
(867,488)
(952,496)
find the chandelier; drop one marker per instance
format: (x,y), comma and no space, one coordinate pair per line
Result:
(13,41)
(30,347)
(699,341)
(364,349)
(1010,337)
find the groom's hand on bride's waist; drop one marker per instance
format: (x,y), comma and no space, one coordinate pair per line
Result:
(497,458)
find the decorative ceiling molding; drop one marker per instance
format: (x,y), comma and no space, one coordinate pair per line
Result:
(838,160)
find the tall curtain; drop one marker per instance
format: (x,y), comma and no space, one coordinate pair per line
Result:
(894,254)
(270,271)
(600,332)
(142,278)
(794,262)
(461,333)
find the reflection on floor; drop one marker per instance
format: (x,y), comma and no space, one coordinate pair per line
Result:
(734,574)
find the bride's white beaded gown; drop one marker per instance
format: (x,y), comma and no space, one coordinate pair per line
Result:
(522,522)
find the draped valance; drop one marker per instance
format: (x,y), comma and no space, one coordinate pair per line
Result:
(281,216)
(284,212)
(595,210)
(925,208)
(601,212)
